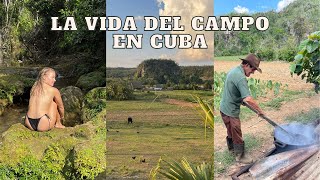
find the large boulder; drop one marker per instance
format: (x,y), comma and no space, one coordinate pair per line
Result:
(91,80)
(71,153)
(72,100)
(13,86)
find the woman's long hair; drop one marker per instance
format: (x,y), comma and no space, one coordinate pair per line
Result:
(37,87)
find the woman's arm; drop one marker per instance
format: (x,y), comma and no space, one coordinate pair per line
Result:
(57,98)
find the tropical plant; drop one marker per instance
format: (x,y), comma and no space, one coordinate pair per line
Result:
(188,171)
(307,62)
(207,109)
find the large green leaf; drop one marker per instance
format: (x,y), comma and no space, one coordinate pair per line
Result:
(312,46)
(303,44)
(314,35)
(292,68)
(298,57)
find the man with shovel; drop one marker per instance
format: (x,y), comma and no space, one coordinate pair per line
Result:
(236,91)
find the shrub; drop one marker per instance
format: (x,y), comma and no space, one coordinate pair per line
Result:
(118,91)
(286,54)
(266,54)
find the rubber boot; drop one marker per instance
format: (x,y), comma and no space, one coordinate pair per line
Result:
(229,143)
(241,157)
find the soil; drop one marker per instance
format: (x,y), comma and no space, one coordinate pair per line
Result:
(276,71)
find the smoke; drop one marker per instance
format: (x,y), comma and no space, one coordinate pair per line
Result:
(299,134)
(187,9)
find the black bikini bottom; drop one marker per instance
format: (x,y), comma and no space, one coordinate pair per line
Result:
(35,122)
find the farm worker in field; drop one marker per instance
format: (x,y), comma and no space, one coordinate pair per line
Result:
(46,108)
(236,91)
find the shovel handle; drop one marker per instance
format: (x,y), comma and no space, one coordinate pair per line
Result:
(262,116)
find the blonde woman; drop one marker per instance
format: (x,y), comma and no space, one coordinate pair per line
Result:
(45,105)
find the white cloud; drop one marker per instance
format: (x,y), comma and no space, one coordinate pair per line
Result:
(138,18)
(242,10)
(283,3)
(187,9)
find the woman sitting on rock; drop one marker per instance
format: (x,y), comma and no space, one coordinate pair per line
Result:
(45,105)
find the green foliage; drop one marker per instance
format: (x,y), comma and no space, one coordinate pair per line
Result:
(187,171)
(118,91)
(307,62)
(251,142)
(94,102)
(222,160)
(286,53)
(160,70)
(53,160)
(120,72)
(82,38)
(304,117)
(286,28)
(266,54)
(26,29)
(207,109)
(257,87)
(85,162)
(12,85)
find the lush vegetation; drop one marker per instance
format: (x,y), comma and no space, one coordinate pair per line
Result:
(287,28)
(307,62)
(257,87)
(26,35)
(160,71)
(157,72)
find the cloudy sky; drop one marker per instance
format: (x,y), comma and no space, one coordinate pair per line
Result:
(184,8)
(222,7)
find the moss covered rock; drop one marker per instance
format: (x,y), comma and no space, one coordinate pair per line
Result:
(71,153)
(94,102)
(12,86)
(91,80)
(72,100)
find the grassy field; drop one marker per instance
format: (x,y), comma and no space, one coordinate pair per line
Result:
(158,130)
(229,58)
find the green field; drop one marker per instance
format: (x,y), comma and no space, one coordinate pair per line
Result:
(159,130)
(229,58)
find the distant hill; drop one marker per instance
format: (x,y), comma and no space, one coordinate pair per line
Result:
(152,69)
(287,28)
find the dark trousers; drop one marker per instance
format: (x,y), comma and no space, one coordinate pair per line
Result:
(233,126)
